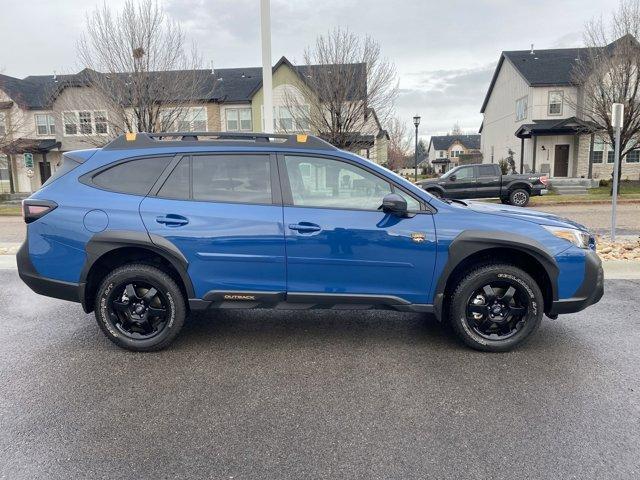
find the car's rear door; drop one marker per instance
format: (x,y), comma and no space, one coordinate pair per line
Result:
(340,246)
(489,181)
(224,213)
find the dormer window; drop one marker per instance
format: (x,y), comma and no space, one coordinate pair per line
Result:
(555,102)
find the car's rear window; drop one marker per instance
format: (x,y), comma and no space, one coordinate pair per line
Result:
(133,176)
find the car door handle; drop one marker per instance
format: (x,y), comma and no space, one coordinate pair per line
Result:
(172,220)
(305,227)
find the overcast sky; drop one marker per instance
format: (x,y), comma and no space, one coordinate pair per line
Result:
(445,50)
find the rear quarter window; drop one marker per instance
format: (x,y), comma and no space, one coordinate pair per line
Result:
(132,176)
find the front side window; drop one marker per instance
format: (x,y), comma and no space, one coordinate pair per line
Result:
(135,176)
(232,178)
(464,173)
(521,109)
(555,102)
(45,124)
(328,183)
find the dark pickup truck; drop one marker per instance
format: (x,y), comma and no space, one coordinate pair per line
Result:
(486,181)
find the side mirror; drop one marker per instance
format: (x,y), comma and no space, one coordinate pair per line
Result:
(395,204)
(453,177)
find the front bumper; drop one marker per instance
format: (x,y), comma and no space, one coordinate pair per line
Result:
(42,285)
(590,291)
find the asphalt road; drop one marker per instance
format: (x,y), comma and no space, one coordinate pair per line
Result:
(371,395)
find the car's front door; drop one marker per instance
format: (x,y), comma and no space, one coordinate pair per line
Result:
(340,244)
(224,213)
(462,183)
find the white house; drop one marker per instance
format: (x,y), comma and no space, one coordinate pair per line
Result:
(532,108)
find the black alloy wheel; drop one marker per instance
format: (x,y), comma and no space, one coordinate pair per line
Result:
(497,310)
(138,310)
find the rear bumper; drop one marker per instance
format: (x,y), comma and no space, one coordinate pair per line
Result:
(590,291)
(45,286)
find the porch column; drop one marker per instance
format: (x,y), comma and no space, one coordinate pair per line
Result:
(522,155)
(535,148)
(590,174)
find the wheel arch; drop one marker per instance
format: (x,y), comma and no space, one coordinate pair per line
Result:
(110,249)
(472,248)
(516,184)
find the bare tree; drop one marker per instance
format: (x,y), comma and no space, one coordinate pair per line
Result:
(343,81)
(609,72)
(456,130)
(399,143)
(140,69)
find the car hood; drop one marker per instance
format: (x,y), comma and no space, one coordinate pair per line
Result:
(534,216)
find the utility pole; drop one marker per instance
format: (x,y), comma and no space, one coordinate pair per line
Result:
(267,84)
(617,114)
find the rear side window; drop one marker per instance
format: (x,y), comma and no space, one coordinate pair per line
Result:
(487,171)
(134,176)
(221,178)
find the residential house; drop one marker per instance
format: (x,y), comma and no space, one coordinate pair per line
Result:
(53,114)
(533,109)
(444,151)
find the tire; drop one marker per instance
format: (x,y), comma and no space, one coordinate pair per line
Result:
(519,197)
(125,307)
(487,333)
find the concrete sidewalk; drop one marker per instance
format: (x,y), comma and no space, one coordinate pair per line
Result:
(613,269)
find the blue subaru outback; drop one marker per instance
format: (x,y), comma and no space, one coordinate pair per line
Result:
(154,226)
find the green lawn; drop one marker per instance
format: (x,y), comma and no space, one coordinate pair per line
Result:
(10,209)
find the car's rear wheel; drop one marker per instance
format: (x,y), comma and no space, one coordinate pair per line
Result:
(139,307)
(496,307)
(519,197)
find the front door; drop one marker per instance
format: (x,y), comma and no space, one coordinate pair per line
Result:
(340,244)
(561,161)
(45,171)
(223,212)
(461,183)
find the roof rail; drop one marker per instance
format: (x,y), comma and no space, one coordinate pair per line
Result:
(217,139)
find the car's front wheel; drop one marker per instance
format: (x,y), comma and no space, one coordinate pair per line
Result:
(139,307)
(496,307)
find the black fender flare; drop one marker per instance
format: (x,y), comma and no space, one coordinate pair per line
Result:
(470,242)
(107,241)
(519,184)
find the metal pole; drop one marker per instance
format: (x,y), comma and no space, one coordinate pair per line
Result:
(267,85)
(415,154)
(614,199)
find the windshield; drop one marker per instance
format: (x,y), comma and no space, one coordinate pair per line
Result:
(449,173)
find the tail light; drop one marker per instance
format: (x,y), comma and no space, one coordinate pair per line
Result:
(34,209)
(544,180)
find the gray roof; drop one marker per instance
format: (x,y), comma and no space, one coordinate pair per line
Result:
(225,85)
(541,68)
(443,142)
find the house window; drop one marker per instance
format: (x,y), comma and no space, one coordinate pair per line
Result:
(598,151)
(456,153)
(521,109)
(85,123)
(633,156)
(238,119)
(610,155)
(441,154)
(285,119)
(555,102)
(45,124)
(3,125)
(184,119)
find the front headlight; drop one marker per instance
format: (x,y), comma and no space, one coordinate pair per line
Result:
(577,237)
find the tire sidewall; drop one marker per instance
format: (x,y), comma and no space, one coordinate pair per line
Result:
(481,277)
(162,283)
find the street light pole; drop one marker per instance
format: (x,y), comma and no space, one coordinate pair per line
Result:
(267,86)
(617,113)
(416,122)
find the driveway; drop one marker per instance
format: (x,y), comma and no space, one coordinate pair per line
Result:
(324,394)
